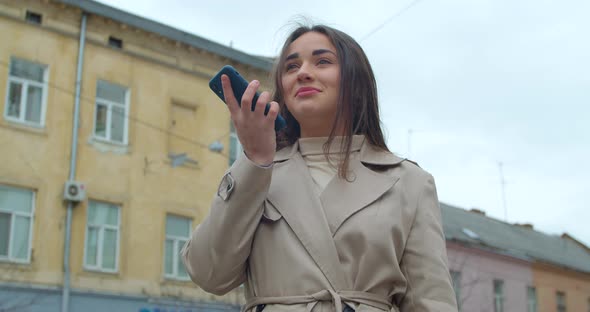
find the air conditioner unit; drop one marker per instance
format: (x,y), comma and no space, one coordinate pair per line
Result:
(74,191)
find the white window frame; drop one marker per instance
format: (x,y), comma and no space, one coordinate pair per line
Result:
(239,150)
(499,298)
(176,240)
(531,299)
(13,214)
(98,267)
(562,295)
(23,99)
(109,104)
(456,277)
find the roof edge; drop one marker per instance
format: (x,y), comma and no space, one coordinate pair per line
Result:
(124,17)
(579,243)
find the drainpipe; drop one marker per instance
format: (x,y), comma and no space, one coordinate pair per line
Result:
(73,158)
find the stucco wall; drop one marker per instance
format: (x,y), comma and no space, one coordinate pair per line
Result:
(157,72)
(549,280)
(478,271)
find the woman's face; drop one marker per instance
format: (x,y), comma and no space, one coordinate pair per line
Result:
(311,83)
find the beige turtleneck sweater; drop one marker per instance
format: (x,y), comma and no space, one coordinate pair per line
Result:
(312,151)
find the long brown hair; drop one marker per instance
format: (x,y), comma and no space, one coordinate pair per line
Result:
(358,108)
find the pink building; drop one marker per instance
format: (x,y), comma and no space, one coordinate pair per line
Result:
(476,272)
(492,262)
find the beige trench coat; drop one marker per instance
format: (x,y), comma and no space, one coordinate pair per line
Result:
(374,244)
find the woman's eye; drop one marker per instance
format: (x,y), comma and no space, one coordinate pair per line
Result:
(291,66)
(324,61)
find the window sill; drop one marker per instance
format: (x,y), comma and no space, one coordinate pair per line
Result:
(95,272)
(104,145)
(19,126)
(16,266)
(168,280)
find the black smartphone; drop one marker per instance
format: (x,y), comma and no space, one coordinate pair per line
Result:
(239,85)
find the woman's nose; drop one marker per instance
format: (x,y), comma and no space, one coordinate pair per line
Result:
(304,73)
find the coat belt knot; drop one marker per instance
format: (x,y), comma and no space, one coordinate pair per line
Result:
(337,298)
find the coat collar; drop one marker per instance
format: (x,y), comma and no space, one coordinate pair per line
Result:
(369,154)
(316,220)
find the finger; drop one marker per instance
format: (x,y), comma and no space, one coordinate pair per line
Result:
(249,95)
(273,111)
(228,94)
(261,104)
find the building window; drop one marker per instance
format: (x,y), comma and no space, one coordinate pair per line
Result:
(560,297)
(178,231)
(33,17)
(115,42)
(112,105)
(456,279)
(235,148)
(27,88)
(498,296)
(531,299)
(16,218)
(101,252)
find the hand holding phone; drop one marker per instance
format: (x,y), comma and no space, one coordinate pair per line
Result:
(253,123)
(239,85)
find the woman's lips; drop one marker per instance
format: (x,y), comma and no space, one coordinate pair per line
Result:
(306,91)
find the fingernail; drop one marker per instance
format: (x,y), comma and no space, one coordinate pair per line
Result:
(255,82)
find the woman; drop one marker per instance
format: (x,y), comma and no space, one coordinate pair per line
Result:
(332,221)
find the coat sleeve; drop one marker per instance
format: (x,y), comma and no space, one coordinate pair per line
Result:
(424,262)
(216,254)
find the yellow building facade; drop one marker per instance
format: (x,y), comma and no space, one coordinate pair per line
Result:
(147,155)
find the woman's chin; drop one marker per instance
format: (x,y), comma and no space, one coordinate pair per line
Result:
(310,112)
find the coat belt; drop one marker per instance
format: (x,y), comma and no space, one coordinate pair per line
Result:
(337,297)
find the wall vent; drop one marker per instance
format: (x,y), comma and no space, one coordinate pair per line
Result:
(34,18)
(115,42)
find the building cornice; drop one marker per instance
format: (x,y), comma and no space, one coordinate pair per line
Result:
(96,8)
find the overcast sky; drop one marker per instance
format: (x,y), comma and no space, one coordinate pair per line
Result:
(475,82)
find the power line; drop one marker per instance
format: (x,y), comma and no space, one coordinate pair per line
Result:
(398,13)
(128,116)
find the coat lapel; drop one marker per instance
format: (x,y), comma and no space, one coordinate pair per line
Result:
(341,199)
(292,195)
